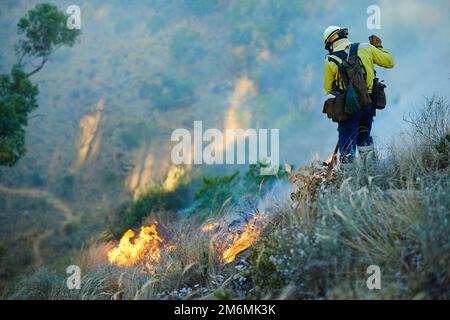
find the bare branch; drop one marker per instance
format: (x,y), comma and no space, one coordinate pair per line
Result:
(44,60)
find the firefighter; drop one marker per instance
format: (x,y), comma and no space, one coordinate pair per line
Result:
(355,131)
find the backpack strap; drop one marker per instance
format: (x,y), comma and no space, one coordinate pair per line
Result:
(339,57)
(341,54)
(353,50)
(338,61)
(335,59)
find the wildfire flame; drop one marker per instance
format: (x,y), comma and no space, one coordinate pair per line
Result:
(146,247)
(242,241)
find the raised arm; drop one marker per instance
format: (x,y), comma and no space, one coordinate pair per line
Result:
(380,56)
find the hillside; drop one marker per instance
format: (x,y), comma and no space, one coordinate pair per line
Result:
(101,133)
(391,212)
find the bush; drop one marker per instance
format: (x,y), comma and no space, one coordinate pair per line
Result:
(165,92)
(134,134)
(40,285)
(324,250)
(155,200)
(217,191)
(431,127)
(109,177)
(214,191)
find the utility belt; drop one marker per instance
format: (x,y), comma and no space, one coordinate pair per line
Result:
(335,106)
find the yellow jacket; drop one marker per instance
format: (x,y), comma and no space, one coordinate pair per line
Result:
(369,56)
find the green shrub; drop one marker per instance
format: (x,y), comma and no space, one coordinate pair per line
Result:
(134,134)
(257,184)
(109,177)
(215,190)
(166,92)
(155,200)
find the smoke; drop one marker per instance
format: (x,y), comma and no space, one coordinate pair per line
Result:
(421,46)
(278,195)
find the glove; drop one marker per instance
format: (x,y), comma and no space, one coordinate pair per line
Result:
(375,41)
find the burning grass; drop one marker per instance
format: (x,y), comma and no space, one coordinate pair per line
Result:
(239,241)
(145,249)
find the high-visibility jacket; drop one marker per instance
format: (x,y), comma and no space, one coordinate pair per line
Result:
(369,56)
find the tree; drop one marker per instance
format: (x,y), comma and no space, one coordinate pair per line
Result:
(44,30)
(17,100)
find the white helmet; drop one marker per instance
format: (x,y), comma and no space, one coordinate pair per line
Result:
(333,30)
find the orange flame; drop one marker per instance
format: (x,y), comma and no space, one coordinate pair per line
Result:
(146,247)
(241,242)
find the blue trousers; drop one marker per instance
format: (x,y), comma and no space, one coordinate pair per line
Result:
(355,132)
